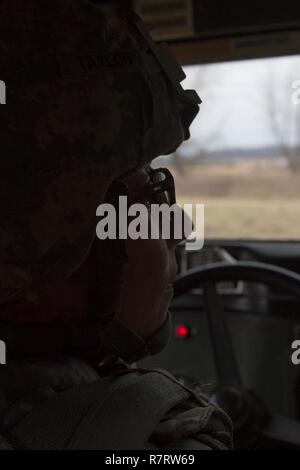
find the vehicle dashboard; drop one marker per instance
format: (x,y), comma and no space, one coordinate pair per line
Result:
(262,322)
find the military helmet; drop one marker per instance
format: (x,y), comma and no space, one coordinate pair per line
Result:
(89,97)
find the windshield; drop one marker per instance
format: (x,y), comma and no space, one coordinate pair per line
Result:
(243,160)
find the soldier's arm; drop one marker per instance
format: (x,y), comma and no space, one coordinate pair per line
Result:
(189,426)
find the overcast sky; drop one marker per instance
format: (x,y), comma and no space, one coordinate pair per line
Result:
(236,111)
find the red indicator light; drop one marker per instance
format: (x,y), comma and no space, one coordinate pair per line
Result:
(182,331)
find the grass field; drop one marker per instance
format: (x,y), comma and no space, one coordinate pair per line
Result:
(243,200)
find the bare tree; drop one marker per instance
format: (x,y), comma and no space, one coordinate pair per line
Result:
(283,114)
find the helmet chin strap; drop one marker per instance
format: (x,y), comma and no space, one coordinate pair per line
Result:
(115,337)
(123,343)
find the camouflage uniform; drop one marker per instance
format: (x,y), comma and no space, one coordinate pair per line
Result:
(191,425)
(86,103)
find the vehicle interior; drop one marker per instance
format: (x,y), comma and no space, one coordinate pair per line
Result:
(236,310)
(236,306)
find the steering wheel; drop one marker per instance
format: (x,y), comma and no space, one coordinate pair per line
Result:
(244,407)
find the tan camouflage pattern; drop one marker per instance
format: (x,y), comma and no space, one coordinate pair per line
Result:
(26,384)
(85,104)
(193,427)
(4,445)
(188,426)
